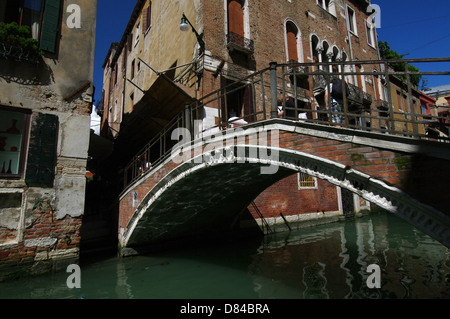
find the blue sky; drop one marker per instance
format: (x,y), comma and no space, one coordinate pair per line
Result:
(418,28)
(112,18)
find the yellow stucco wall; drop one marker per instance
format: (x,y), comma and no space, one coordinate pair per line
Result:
(163,45)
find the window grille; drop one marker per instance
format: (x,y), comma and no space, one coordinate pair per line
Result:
(306,181)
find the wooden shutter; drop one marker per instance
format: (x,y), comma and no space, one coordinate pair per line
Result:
(50,25)
(146,18)
(130,42)
(149,15)
(42,150)
(358,76)
(236,17)
(291,35)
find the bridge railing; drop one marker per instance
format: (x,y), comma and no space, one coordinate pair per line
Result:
(383,97)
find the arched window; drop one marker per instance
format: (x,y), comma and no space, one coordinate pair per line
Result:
(292,42)
(325,51)
(315,51)
(360,78)
(236,17)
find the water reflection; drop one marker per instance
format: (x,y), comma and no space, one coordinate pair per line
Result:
(331,262)
(328,261)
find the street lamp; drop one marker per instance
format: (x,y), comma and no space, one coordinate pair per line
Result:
(184,26)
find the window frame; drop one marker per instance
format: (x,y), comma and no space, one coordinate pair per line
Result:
(133,69)
(298,43)
(352,20)
(301,180)
(50,17)
(138,32)
(324,4)
(24,143)
(370,34)
(245,21)
(147,19)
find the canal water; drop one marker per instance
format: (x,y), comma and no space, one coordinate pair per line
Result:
(324,262)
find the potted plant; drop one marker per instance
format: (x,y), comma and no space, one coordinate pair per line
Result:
(16,42)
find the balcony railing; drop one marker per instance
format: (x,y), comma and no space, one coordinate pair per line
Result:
(273,84)
(239,43)
(357,97)
(18,54)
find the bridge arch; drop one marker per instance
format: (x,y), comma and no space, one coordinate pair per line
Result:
(202,190)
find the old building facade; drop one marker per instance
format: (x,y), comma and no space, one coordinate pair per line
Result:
(156,69)
(45,103)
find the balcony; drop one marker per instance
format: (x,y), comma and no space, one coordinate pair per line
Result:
(297,70)
(383,107)
(358,99)
(18,54)
(17,44)
(239,43)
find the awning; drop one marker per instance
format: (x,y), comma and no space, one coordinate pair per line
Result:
(159,105)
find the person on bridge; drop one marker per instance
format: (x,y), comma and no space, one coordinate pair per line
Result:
(337,104)
(288,109)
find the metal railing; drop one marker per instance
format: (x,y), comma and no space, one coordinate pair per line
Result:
(237,41)
(19,54)
(369,106)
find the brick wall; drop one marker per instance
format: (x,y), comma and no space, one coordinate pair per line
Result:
(47,244)
(285,197)
(267,26)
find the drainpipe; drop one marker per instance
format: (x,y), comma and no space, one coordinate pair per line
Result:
(349,40)
(382,69)
(125,56)
(273,90)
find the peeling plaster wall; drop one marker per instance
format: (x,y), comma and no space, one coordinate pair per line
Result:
(40,225)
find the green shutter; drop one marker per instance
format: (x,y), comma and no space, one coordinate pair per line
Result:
(50,25)
(42,150)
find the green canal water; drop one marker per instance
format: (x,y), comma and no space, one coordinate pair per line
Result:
(328,261)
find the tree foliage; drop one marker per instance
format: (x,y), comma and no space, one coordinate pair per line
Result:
(387,53)
(19,37)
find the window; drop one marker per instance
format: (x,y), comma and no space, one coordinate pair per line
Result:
(360,80)
(292,44)
(42,16)
(132,101)
(138,27)
(237,26)
(116,111)
(236,17)
(370,35)
(424,109)
(13,139)
(351,20)
(402,101)
(306,181)
(238,101)
(132,68)
(147,18)
(323,4)
(328,6)
(116,71)
(129,42)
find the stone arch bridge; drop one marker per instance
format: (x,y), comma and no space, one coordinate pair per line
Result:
(206,183)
